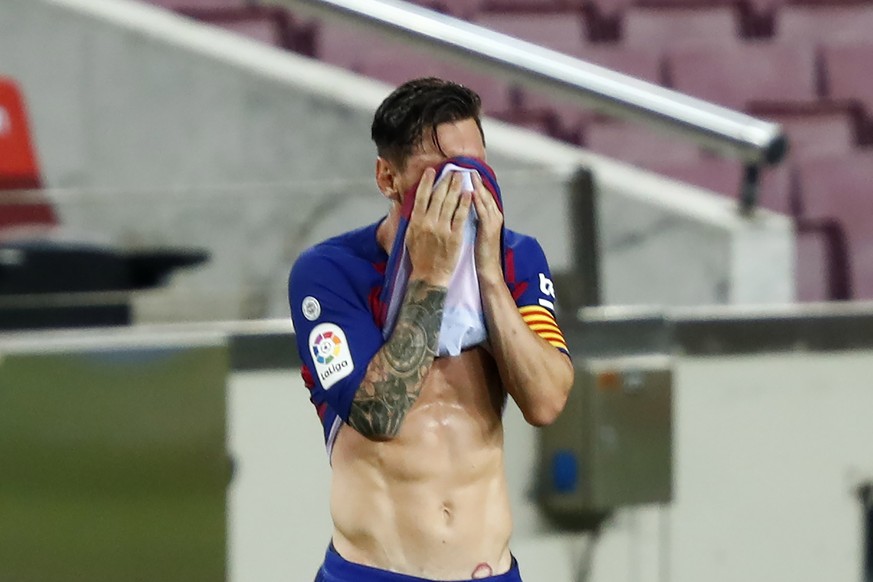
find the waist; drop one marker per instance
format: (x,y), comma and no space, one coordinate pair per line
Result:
(337,569)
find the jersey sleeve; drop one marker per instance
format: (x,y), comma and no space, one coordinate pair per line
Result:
(334,328)
(536,293)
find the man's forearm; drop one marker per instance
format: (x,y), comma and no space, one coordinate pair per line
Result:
(396,373)
(534,373)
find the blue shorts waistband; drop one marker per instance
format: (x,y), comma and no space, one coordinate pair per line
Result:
(338,569)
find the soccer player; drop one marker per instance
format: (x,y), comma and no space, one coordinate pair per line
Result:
(415,439)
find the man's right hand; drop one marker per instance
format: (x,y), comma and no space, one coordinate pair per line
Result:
(436,227)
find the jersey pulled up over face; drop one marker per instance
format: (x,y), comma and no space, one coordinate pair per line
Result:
(334,292)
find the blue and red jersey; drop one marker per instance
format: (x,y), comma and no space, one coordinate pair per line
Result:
(334,292)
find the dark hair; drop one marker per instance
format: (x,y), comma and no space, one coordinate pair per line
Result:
(414,110)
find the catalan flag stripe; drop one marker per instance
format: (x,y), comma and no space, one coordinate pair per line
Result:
(532,309)
(531,319)
(541,327)
(542,321)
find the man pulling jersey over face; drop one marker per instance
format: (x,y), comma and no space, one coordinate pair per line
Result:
(416,440)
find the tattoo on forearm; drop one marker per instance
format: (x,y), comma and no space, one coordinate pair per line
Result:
(395,375)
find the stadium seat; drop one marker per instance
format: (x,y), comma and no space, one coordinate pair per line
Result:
(661,28)
(612,7)
(19,170)
(734,76)
(841,188)
(561,31)
(815,129)
(815,24)
(637,144)
(848,73)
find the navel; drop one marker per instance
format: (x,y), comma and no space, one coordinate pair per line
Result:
(447,514)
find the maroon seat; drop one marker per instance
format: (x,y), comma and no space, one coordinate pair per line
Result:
(561,31)
(612,7)
(637,144)
(739,74)
(660,28)
(848,71)
(841,188)
(815,129)
(814,24)
(767,7)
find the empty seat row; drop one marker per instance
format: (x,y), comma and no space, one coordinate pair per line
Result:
(662,27)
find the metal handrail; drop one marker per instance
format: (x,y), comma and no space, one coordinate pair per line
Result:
(725,131)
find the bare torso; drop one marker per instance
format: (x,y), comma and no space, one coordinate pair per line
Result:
(431,502)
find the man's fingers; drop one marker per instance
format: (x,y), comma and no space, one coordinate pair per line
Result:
(423,193)
(459,218)
(450,202)
(480,201)
(438,196)
(483,195)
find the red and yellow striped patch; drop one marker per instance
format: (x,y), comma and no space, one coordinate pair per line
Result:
(541,320)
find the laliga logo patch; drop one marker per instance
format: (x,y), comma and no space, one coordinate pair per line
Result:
(330,353)
(326,347)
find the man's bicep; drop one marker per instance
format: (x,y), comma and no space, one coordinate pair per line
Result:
(336,335)
(536,301)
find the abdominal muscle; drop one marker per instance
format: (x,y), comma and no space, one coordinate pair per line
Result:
(432,502)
